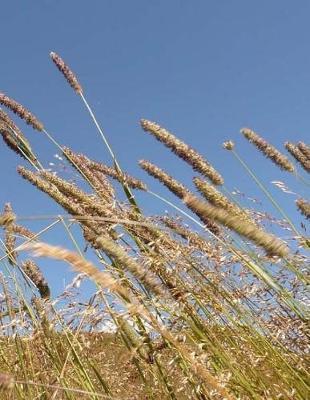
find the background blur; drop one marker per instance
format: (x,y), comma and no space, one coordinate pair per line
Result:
(202,69)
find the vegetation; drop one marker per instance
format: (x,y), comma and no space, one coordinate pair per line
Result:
(203,303)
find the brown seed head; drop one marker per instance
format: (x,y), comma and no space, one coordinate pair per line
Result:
(304,207)
(23,231)
(66,71)
(271,244)
(6,218)
(181,149)
(132,182)
(117,252)
(79,264)
(304,148)
(67,202)
(229,145)
(9,237)
(98,182)
(16,143)
(4,117)
(33,272)
(217,199)
(21,111)
(298,155)
(174,186)
(10,140)
(268,150)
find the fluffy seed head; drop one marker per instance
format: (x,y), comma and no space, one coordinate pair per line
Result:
(181,149)
(298,155)
(17,143)
(9,237)
(268,150)
(79,264)
(10,140)
(271,244)
(4,117)
(98,181)
(174,186)
(304,207)
(132,182)
(6,218)
(145,276)
(33,272)
(304,148)
(21,111)
(229,145)
(66,71)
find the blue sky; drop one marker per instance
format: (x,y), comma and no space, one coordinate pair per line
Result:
(203,69)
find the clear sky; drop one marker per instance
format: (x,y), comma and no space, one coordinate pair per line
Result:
(203,69)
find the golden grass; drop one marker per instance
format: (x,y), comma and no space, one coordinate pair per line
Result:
(195,310)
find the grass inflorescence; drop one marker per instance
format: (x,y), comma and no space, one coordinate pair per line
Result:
(206,304)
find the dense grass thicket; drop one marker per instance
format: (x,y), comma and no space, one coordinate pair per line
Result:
(206,302)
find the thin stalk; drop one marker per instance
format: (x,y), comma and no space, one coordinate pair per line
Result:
(269,196)
(20,247)
(117,166)
(73,390)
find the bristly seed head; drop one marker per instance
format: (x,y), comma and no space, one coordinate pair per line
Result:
(299,155)
(4,118)
(229,145)
(33,272)
(304,207)
(9,237)
(66,71)
(182,150)
(268,150)
(174,186)
(272,245)
(304,148)
(21,111)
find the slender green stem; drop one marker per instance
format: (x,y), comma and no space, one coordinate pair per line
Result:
(117,166)
(269,196)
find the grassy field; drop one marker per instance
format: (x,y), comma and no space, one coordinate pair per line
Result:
(203,303)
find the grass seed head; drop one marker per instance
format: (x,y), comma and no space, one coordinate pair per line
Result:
(229,145)
(33,272)
(117,252)
(304,207)
(21,111)
(268,150)
(67,72)
(304,148)
(181,149)
(4,117)
(173,185)
(271,244)
(298,155)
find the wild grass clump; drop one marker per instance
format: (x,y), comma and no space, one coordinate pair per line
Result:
(207,301)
